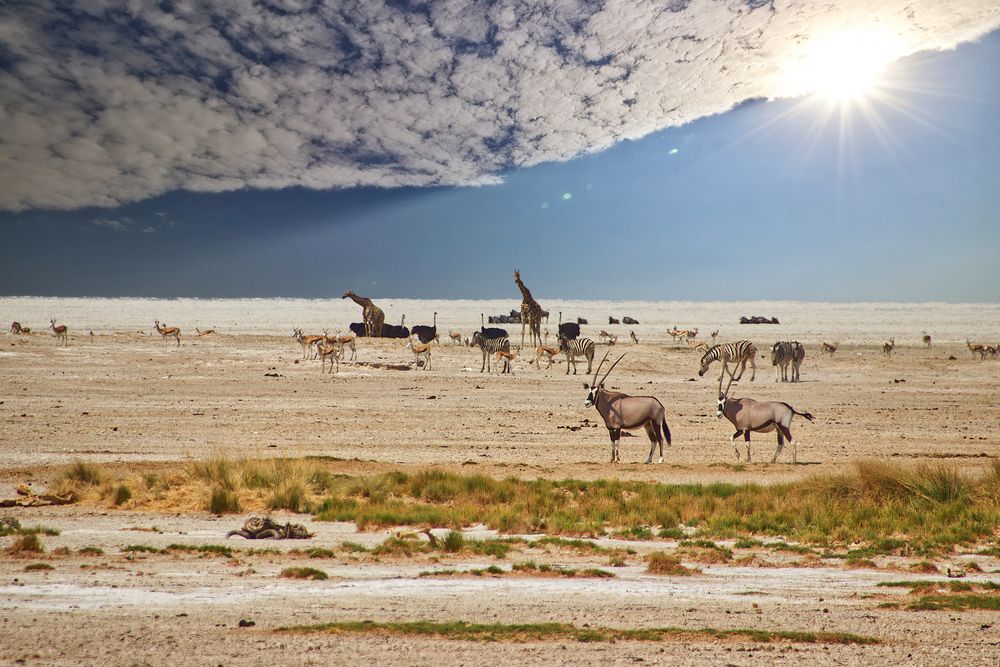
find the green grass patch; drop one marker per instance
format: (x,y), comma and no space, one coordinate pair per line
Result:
(956,603)
(927,509)
(354,547)
(11,526)
(397,546)
(496,547)
(121,495)
(26,543)
(918,585)
(83,473)
(223,501)
(303,573)
(140,548)
(93,551)
(531,567)
(320,552)
(476,572)
(36,567)
(661,563)
(207,549)
(525,632)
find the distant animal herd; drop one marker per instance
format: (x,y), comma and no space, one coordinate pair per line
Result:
(619,411)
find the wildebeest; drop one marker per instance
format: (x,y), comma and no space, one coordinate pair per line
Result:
(621,411)
(749,415)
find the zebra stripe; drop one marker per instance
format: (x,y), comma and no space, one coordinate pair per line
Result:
(784,353)
(739,354)
(489,347)
(577,347)
(729,352)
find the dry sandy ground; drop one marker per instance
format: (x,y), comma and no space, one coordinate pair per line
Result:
(131,400)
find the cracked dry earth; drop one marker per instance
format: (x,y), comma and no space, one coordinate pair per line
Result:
(131,404)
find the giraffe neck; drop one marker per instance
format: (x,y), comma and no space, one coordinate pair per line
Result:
(361,301)
(525,292)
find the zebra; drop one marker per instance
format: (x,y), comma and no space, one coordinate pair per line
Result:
(578,346)
(798,356)
(738,354)
(781,356)
(784,353)
(489,347)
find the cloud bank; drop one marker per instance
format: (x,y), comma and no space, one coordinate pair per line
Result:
(104,102)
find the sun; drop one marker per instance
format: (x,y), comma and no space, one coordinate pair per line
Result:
(846,66)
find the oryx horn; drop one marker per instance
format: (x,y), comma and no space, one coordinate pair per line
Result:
(611,369)
(598,371)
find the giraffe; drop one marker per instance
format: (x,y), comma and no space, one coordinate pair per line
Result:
(531,313)
(373,316)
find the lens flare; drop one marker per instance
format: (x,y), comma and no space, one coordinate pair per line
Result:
(847,65)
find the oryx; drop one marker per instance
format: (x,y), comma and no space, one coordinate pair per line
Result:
(749,415)
(621,411)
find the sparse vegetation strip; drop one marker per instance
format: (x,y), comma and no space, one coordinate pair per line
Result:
(927,509)
(523,632)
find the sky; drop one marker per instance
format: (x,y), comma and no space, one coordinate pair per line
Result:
(636,150)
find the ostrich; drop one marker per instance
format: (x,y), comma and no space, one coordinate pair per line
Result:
(426,333)
(568,330)
(390,331)
(490,333)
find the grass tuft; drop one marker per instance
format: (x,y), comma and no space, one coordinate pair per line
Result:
(223,501)
(84,473)
(207,549)
(26,543)
(661,563)
(454,541)
(38,567)
(525,632)
(122,494)
(303,573)
(140,548)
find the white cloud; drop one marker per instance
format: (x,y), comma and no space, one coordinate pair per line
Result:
(107,102)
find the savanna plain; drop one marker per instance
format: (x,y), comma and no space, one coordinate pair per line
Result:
(461,517)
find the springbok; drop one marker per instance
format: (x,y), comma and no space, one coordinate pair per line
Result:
(342,341)
(505,358)
(307,342)
(17,329)
(166,332)
(327,349)
(829,348)
(488,347)
(715,334)
(610,339)
(545,351)
(621,411)
(420,350)
(676,333)
(888,347)
(749,415)
(975,348)
(206,332)
(697,345)
(455,336)
(60,332)
(927,340)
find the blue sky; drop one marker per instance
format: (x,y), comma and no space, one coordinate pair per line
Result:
(893,198)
